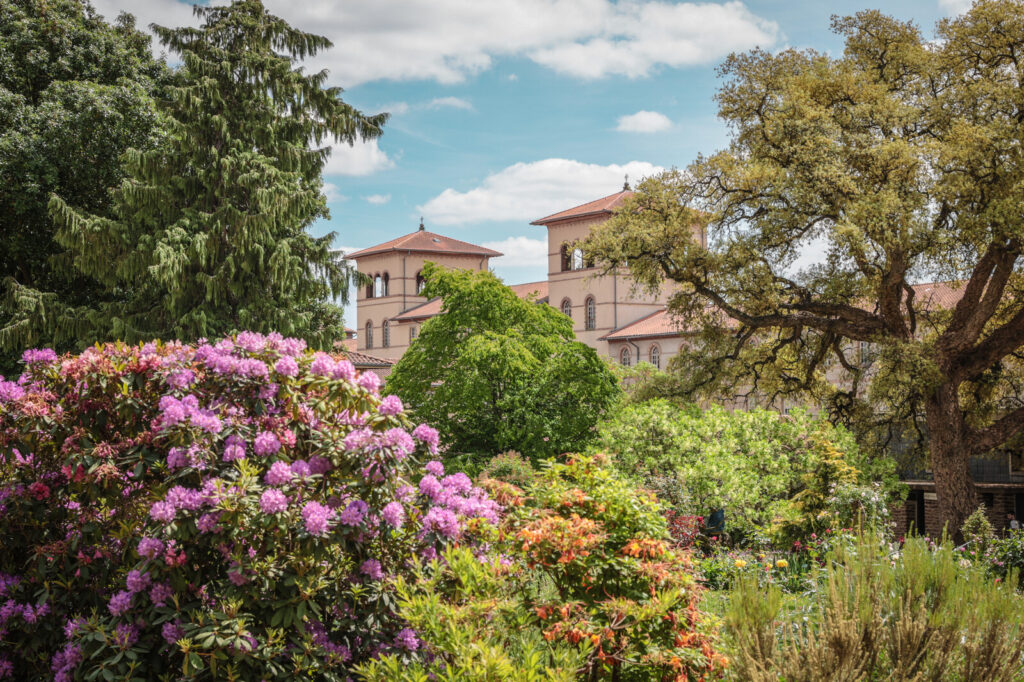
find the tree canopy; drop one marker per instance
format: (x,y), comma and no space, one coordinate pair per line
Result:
(75,94)
(495,372)
(899,161)
(209,232)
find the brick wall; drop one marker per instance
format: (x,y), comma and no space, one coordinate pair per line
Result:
(998,501)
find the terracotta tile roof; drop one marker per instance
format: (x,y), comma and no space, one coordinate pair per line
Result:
(658,323)
(597,207)
(432,307)
(927,296)
(423,241)
(361,360)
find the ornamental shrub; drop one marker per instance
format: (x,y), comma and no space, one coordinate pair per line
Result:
(749,463)
(233,510)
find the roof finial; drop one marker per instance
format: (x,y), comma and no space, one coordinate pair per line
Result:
(421,224)
(625,185)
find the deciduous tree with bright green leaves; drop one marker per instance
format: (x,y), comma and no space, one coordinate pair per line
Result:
(209,232)
(495,372)
(75,93)
(900,160)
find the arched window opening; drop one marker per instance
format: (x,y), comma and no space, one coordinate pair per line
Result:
(369,334)
(590,318)
(385,334)
(421,282)
(412,333)
(625,357)
(566,262)
(567,308)
(369,290)
(378,286)
(656,356)
(386,288)
(577,259)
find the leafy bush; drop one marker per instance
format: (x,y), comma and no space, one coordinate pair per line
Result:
(587,568)
(1006,556)
(751,464)
(222,511)
(510,467)
(977,531)
(924,614)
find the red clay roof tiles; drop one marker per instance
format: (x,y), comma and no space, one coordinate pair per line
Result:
(597,207)
(423,241)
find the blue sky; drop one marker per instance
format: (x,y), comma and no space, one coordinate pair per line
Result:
(506,110)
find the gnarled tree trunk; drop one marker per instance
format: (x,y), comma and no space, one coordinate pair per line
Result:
(947,444)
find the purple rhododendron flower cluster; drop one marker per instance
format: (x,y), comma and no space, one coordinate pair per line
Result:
(229,462)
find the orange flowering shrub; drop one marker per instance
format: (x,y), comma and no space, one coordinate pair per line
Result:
(623,589)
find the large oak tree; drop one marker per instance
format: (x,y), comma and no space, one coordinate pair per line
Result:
(901,160)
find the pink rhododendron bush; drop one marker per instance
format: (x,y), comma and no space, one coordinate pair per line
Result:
(230,510)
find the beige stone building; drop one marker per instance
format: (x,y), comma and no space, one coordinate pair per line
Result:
(608,312)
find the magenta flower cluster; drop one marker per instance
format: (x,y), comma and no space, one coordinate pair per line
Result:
(234,463)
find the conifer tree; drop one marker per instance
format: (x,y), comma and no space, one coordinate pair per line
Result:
(209,233)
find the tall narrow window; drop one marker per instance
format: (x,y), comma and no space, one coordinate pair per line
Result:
(369,334)
(655,356)
(420,282)
(566,261)
(412,333)
(567,308)
(577,259)
(385,334)
(378,286)
(590,317)
(369,290)
(387,285)
(625,358)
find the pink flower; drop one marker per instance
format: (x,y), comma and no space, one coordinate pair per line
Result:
(435,468)
(273,501)
(234,449)
(391,404)
(137,581)
(279,474)
(372,569)
(428,435)
(369,381)
(286,366)
(150,547)
(316,518)
(120,603)
(172,632)
(266,444)
(322,365)
(393,514)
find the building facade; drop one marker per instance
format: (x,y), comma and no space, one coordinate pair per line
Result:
(609,313)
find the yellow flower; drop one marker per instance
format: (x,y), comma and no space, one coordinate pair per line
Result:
(740,563)
(761,555)
(781,563)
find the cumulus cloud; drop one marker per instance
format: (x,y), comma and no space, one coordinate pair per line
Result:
(362,158)
(449,103)
(520,251)
(333,194)
(527,191)
(644,122)
(449,40)
(955,6)
(378,199)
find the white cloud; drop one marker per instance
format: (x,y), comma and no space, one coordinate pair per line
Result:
(520,251)
(955,6)
(333,194)
(449,40)
(378,198)
(644,122)
(527,191)
(362,158)
(396,108)
(449,103)
(512,77)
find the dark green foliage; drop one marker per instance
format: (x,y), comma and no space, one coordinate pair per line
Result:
(495,372)
(75,94)
(209,231)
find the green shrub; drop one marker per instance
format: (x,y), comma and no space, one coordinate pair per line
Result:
(510,467)
(977,531)
(924,614)
(751,464)
(1007,557)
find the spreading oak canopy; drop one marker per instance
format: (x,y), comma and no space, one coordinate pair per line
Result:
(898,162)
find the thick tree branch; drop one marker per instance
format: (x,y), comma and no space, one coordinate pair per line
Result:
(984,440)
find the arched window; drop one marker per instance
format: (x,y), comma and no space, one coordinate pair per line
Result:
(625,358)
(385,334)
(369,334)
(566,262)
(655,355)
(420,282)
(567,307)
(577,259)
(412,333)
(590,314)
(386,288)
(378,286)
(369,289)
